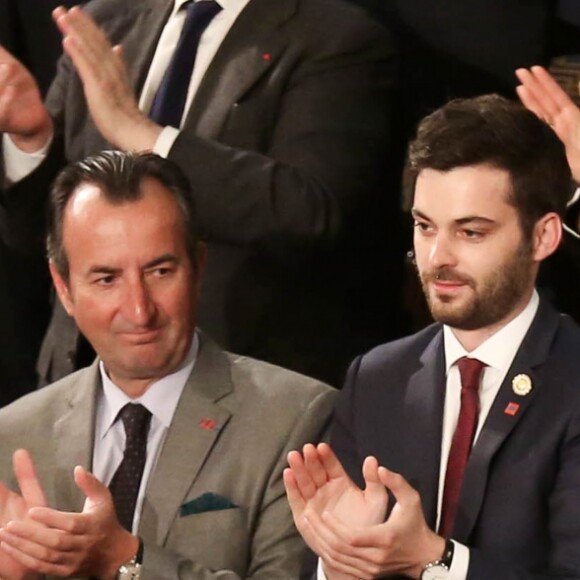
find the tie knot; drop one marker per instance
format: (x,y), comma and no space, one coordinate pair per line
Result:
(136,419)
(470,372)
(202,10)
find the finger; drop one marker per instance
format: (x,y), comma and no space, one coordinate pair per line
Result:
(58,12)
(330,461)
(32,563)
(531,103)
(68,522)
(295,499)
(404,493)
(27,479)
(333,549)
(315,466)
(38,540)
(551,87)
(543,98)
(302,475)
(363,541)
(91,486)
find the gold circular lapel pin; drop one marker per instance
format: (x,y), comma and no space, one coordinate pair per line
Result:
(522,385)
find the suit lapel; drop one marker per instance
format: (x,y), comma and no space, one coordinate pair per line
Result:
(74,434)
(139,28)
(532,353)
(190,438)
(252,46)
(423,422)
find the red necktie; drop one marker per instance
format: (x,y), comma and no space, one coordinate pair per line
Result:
(470,372)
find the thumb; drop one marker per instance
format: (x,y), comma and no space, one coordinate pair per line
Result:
(370,471)
(93,489)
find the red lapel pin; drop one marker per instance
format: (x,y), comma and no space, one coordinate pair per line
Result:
(266,56)
(511,409)
(208,424)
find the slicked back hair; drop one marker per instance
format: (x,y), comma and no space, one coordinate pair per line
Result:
(494,131)
(119,175)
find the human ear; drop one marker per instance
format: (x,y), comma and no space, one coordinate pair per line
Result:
(546,236)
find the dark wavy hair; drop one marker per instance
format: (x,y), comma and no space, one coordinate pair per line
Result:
(492,130)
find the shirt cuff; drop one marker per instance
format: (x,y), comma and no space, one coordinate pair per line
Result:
(165,141)
(320,575)
(17,163)
(460,562)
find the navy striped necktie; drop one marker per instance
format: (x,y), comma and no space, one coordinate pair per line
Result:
(169,102)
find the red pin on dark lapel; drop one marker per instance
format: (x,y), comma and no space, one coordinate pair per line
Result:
(208,424)
(511,409)
(266,56)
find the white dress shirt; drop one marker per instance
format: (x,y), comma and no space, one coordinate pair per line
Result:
(18,164)
(160,399)
(498,353)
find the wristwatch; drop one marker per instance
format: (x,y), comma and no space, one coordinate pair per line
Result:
(439,569)
(131,570)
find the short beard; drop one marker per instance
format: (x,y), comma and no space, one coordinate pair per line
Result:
(491,302)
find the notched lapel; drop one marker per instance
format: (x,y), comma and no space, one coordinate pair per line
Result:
(140,28)
(499,424)
(74,433)
(196,426)
(253,45)
(423,422)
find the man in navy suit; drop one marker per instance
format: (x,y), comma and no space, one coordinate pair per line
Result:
(431,474)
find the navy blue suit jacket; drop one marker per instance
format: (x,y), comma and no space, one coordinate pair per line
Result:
(519,509)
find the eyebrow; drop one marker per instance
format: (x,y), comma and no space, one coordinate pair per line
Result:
(98,269)
(460,221)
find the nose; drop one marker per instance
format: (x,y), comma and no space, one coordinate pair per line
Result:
(138,305)
(441,252)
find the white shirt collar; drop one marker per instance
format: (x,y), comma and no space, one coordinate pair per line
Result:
(160,399)
(499,350)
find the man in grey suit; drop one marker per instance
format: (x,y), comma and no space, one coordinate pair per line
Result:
(207,500)
(285,139)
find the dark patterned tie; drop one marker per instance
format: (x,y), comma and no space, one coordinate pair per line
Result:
(470,371)
(125,484)
(169,101)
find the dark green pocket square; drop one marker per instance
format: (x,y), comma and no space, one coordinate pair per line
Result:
(208,502)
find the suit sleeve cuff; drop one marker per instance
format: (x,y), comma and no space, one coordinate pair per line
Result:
(165,141)
(460,562)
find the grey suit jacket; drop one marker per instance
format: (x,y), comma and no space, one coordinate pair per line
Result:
(287,148)
(258,413)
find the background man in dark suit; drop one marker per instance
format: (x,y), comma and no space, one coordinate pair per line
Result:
(27,31)
(199,486)
(286,144)
(491,183)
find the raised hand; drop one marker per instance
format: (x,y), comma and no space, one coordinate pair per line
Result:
(110,97)
(22,113)
(90,543)
(14,506)
(345,525)
(541,94)
(318,487)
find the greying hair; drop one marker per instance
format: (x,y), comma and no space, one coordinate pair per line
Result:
(120,176)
